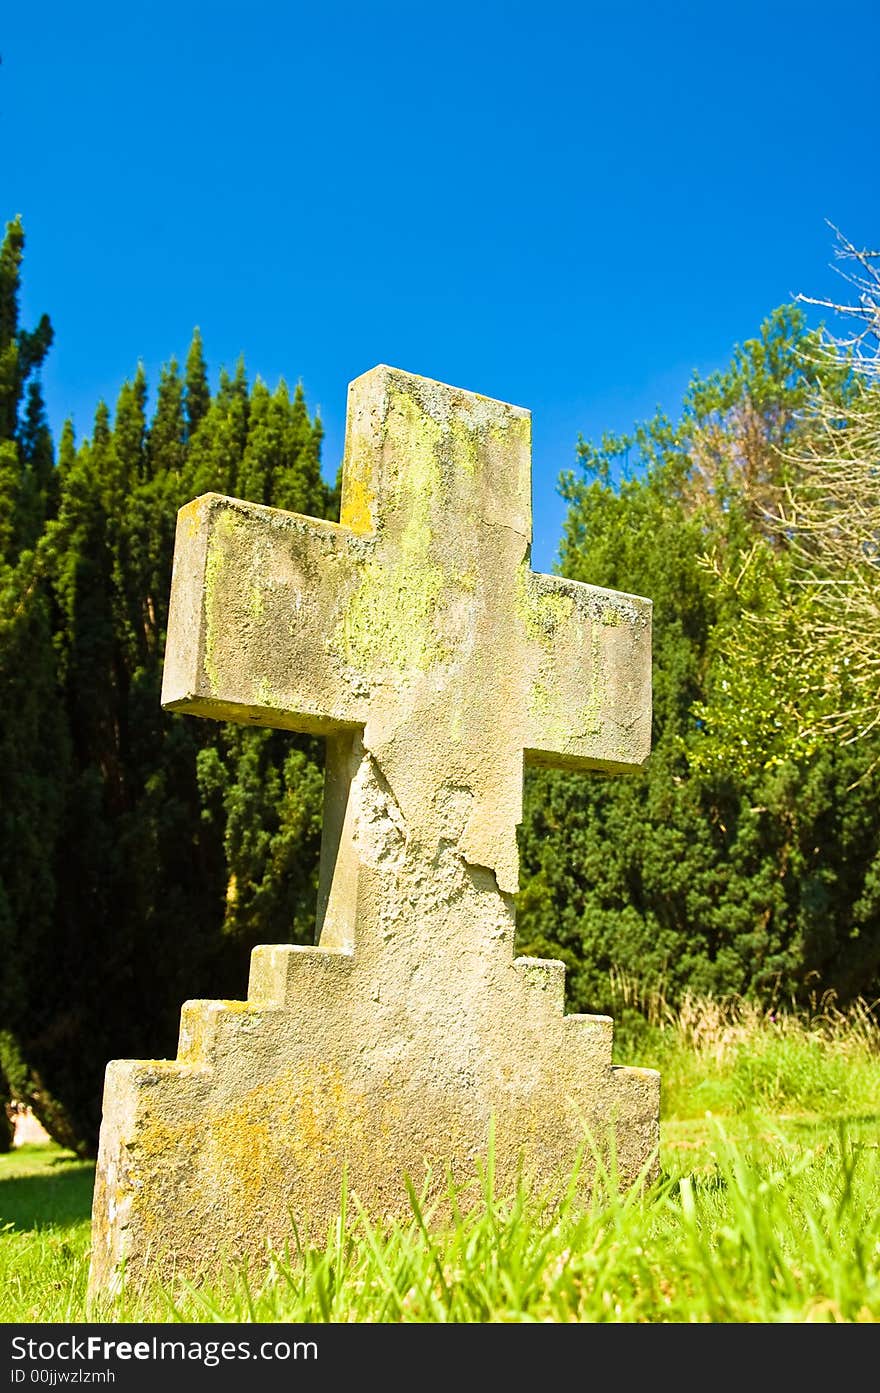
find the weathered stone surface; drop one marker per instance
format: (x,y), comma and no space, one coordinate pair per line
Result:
(415,637)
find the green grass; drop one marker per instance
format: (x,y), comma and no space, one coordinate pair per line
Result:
(45,1203)
(766,1210)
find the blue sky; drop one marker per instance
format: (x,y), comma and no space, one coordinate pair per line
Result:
(570,207)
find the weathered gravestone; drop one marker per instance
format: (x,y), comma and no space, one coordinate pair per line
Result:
(415,637)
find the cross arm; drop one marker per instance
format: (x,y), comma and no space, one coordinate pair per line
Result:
(255,591)
(588,674)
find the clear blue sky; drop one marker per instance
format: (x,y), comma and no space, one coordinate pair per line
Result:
(566,206)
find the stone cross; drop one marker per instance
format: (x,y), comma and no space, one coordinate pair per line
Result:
(414,636)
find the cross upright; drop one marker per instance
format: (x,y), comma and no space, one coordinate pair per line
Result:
(414,630)
(415,637)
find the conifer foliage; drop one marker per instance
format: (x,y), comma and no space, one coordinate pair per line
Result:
(142,854)
(740,861)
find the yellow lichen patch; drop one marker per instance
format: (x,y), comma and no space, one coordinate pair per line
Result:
(544,612)
(388,621)
(465,446)
(357,505)
(548,713)
(199,1024)
(242,1142)
(191,517)
(481,434)
(197,1028)
(589,717)
(215,564)
(415,438)
(588,720)
(322,1116)
(296,1124)
(154,1155)
(508,439)
(610,617)
(516,424)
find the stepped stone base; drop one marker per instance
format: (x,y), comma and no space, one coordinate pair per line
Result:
(243,1139)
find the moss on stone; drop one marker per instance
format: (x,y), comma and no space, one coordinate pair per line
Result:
(215,564)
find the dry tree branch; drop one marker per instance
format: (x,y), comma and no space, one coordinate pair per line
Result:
(825,517)
(866,310)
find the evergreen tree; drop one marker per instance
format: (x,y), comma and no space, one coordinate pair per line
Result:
(21,351)
(299,475)
(197,392)
(217,448)
(33,734)
(166,846)
(753,877)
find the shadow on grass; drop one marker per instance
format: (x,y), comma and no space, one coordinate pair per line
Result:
(851,1122)
(53,1199)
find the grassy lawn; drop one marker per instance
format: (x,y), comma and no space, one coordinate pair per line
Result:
(766,1210)
(45,1204)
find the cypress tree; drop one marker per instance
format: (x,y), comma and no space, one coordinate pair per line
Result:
(299,476)
(197,393)
(217,448)
(263,447)
(25,445)
(21,352)
(166,442)
(39,496)
(33,735)
(179,843)
(142,854)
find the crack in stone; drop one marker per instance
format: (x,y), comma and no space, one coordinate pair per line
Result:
(494,523)
(380,832)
